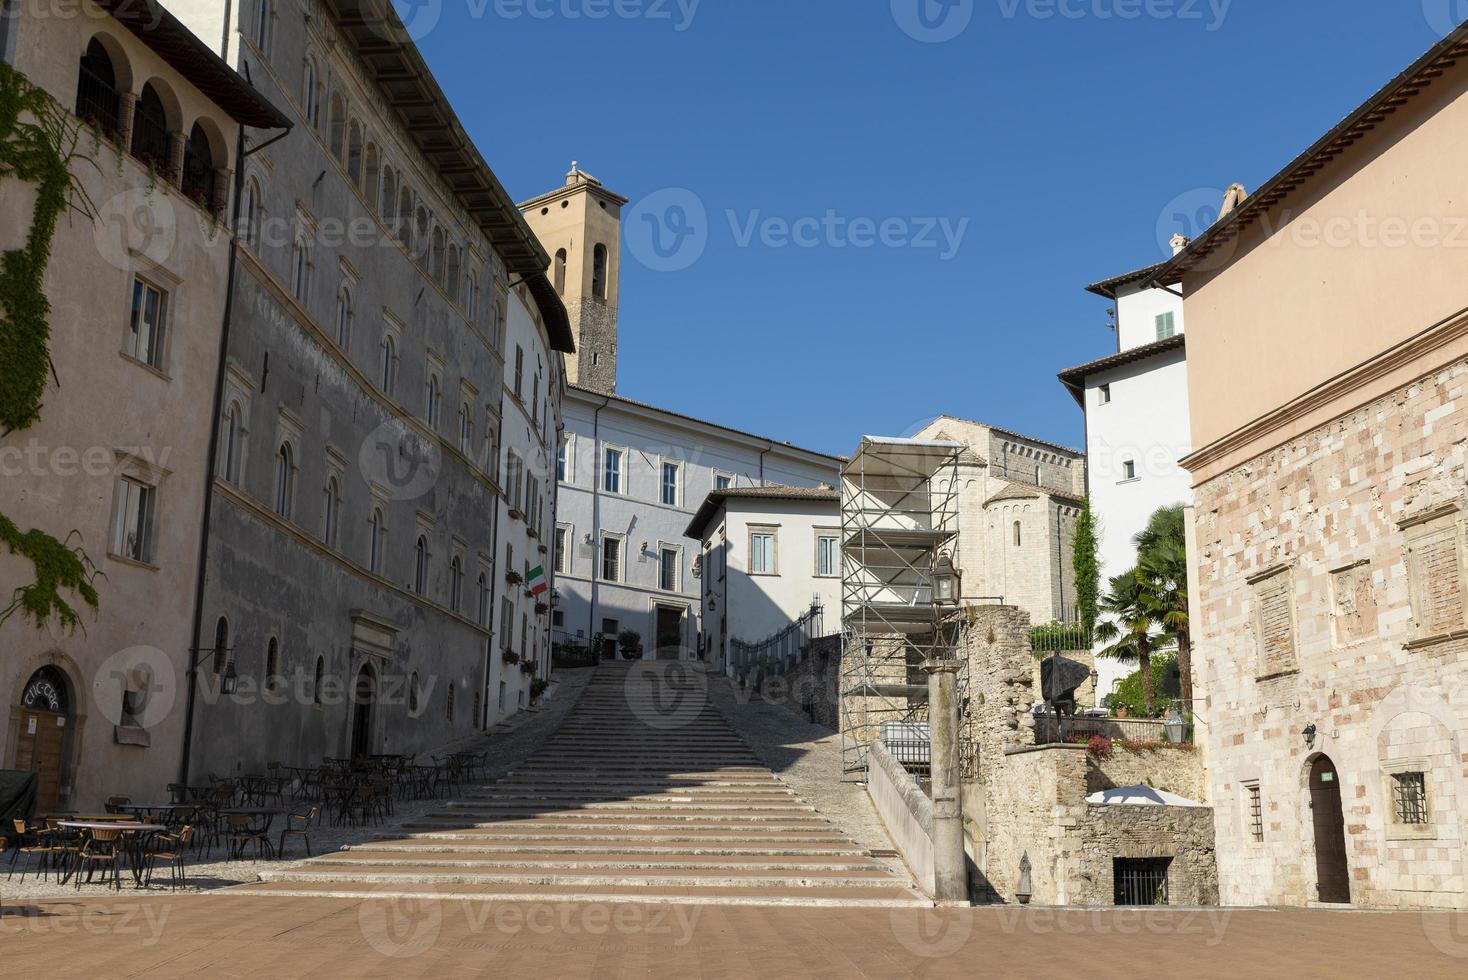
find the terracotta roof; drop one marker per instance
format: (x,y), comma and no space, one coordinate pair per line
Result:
(1372,113)
(1014,435)
(1108,287)
(1074,378)
(774,443)
(716,499)
(1027,491)
(166,35)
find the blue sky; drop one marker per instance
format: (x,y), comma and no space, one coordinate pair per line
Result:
(892,229)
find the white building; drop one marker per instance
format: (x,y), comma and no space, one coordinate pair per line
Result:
(1136,405)
(631,475)
(769,555)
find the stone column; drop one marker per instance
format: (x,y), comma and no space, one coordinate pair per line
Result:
(127,104)
(950,863)
(175,158)
(220,201)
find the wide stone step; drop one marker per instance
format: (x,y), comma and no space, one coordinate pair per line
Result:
(619,861)
(668,805)
(894,896)
(410,874)
(555,847)
(543,834)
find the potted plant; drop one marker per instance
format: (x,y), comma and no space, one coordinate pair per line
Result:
(527,667)
(510,657)
(541,608)
(631,643)
(514,577)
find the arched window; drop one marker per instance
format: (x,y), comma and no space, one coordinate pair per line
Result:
(337,127)
(420,566)
(449,704)
(301,268)
(234,441)
(272,664)
(354,152)
(483,599)
(378,530)
(433,399)
(150,130)
(316,680)
(466,429)
(252,213)
(471,294)
(97,100)
(413,694)
(331,512)
(285,479)
(311,94)
(599,272)
(198,170)
(221,645)
(561,272)
(402,219)
(388,205)
(343,316)
(456,583)
(452,271)
(1017,536)
(387,370)
(420,234)
(372,174)
(436,257)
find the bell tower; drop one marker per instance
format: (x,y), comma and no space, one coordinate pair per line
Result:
(580,225)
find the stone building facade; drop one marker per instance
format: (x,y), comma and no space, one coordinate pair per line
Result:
(354,562)
(1018,502)
(1328,552)
(116,464)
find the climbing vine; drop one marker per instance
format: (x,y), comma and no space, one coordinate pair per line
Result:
(38,145)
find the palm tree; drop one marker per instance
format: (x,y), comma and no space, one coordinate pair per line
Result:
(1162,556)
(1131,627)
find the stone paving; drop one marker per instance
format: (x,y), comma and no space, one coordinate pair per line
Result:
(644,794)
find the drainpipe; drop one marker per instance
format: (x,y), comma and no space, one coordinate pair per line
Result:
(192,654)
(595,518)
(762,455)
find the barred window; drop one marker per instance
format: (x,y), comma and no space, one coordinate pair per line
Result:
(1409,795)
(1274,622)
(1256,811)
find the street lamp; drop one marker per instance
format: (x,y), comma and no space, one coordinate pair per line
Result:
(946,580)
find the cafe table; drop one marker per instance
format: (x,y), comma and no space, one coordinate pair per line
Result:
(260,818)
(134,841)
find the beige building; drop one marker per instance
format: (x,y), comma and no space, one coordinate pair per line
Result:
(1327,359)
(1018,502)
(119,456)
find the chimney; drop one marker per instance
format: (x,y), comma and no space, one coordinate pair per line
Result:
(1232,198)
(1179,242)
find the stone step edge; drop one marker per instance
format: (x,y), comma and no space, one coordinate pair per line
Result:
(612,880)
(915,901)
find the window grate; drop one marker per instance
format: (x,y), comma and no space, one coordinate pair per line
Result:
(1140,881)
(1256,813)
(1409,793)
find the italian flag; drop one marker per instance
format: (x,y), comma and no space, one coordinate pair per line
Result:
(536,580)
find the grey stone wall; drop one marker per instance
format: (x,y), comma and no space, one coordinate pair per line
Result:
(595,325)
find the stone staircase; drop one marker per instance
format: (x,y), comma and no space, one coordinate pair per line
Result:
(644,795)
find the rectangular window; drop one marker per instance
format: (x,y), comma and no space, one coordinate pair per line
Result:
(1256,811)
(612,471)
(535,400)
(563,550)
(1129,469)
(561,456)
(1139,881)
(1435,576)
(762,552)
(1274,623)
(1103,395)
(507,623)
(668,569)
(145,333)
(722,482)
(1409,797)
(828,555)
(133,533)
(611,559)
(519,370)
(670,484)
(515,481)
(1166,326)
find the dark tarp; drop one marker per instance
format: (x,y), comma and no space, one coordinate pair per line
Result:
(1059,678)
(17,798)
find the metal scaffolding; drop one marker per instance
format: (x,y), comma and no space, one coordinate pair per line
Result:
(899,511)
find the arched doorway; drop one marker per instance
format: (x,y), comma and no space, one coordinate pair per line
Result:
(45,714)
(1332,875)
(364,695)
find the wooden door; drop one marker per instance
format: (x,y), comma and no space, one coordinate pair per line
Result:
(1332,873)
(40,749)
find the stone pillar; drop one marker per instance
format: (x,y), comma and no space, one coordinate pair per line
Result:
(127,104)
(220,201)
(175,158)
(950,863)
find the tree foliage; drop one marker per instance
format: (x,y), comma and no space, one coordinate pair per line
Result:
(1087,567)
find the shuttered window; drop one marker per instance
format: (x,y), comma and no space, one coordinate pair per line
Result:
(1434,569)
(1274,623)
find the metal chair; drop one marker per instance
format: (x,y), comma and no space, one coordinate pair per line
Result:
(298,825)
(101,848)
(31,842)
(170,849)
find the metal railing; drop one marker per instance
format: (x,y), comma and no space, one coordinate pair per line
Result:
(97,103)
(1051,729)
(150,141)
(777,654)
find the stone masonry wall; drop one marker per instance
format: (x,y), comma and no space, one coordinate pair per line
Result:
(1177,769)
(811,690)
(1347,543)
